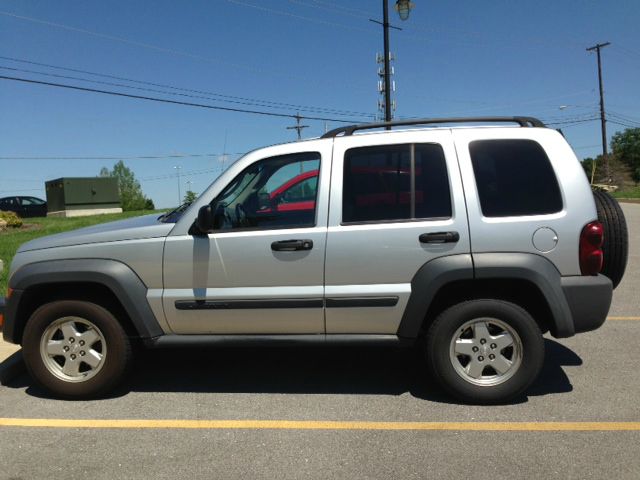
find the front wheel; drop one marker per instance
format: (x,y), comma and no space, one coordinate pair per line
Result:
(485,351)
(75,349)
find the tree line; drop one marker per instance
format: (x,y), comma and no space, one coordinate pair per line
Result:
(625,156)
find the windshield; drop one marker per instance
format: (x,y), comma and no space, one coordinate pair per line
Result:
(174,215)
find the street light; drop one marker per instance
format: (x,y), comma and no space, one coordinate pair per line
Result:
(178,167)
(403,7)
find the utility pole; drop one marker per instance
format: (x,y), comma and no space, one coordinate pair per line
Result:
(403,7)
(603,120)
(298,126)
(386,69)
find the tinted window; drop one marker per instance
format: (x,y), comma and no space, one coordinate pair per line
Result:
(378,183)
(433,198)
(278,192)
(32,201)
(514,178)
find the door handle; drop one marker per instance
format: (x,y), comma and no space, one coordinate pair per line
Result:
(291,245)
(440,237)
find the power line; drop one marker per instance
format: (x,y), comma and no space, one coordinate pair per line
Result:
(628,51)
(584,147)
(616,122)
(118,157)
(569,118)
(342,7)
(182,174)
(145,45)
(174,102)
(623,116)
(574,122)
(215,94)
(23,190)
(112,84)
(299,17)
(335,8)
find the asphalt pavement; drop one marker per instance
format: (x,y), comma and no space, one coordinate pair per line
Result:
(341,413)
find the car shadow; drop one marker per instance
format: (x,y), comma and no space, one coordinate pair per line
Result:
(308,370)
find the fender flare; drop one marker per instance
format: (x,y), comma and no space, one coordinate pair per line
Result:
(426,283)
(437,273)
(128,288)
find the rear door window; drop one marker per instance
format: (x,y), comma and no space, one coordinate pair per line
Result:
(395,183)
(514,178)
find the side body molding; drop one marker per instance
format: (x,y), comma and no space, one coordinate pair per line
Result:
(430,278)
(537,270)
(116,276)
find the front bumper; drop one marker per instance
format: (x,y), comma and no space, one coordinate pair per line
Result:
(589,299)
(8,307)
(3,307)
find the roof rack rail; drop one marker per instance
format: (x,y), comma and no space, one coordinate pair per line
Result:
(348,130)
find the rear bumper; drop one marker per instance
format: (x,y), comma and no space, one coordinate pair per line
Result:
(589,299)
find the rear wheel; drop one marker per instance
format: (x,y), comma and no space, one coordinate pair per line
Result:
(616,240)
(485,351)
(75,349)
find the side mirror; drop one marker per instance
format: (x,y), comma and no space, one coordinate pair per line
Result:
(205,222)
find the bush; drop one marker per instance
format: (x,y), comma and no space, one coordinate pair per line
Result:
(12,219)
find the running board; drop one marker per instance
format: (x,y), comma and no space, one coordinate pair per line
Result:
(170,341)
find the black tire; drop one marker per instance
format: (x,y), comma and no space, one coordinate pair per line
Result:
(616,237)
(116,353)
(448,326)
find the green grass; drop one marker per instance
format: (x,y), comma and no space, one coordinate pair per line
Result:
(12,238)
(629,192)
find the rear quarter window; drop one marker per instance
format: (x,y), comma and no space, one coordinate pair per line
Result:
(514,178)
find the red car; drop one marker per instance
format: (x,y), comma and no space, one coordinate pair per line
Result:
(299,193)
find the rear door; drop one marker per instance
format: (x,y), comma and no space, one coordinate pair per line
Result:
(396,203)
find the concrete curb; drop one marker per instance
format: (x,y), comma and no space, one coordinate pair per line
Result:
(12,367)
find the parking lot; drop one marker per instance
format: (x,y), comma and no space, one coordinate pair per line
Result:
(341,413)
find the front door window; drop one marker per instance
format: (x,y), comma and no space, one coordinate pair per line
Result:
(278,192)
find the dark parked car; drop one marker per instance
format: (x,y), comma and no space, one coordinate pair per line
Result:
(24,206)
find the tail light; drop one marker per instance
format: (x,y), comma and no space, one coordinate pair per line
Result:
(591,254)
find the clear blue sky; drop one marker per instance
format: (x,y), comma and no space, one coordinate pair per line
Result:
(464,57)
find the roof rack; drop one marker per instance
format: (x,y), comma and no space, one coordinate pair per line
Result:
(348,130)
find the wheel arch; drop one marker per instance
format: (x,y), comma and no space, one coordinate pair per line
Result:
(108,283)
(525,279)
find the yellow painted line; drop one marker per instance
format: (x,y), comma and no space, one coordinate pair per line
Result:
(322,425)
(623,318)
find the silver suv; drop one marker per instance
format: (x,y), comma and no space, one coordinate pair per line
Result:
(472,241)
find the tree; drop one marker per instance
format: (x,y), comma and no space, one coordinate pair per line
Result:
(626,148)
(189,197)
(131,195)
(593,168)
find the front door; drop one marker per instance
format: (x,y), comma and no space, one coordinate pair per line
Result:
(261,271)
